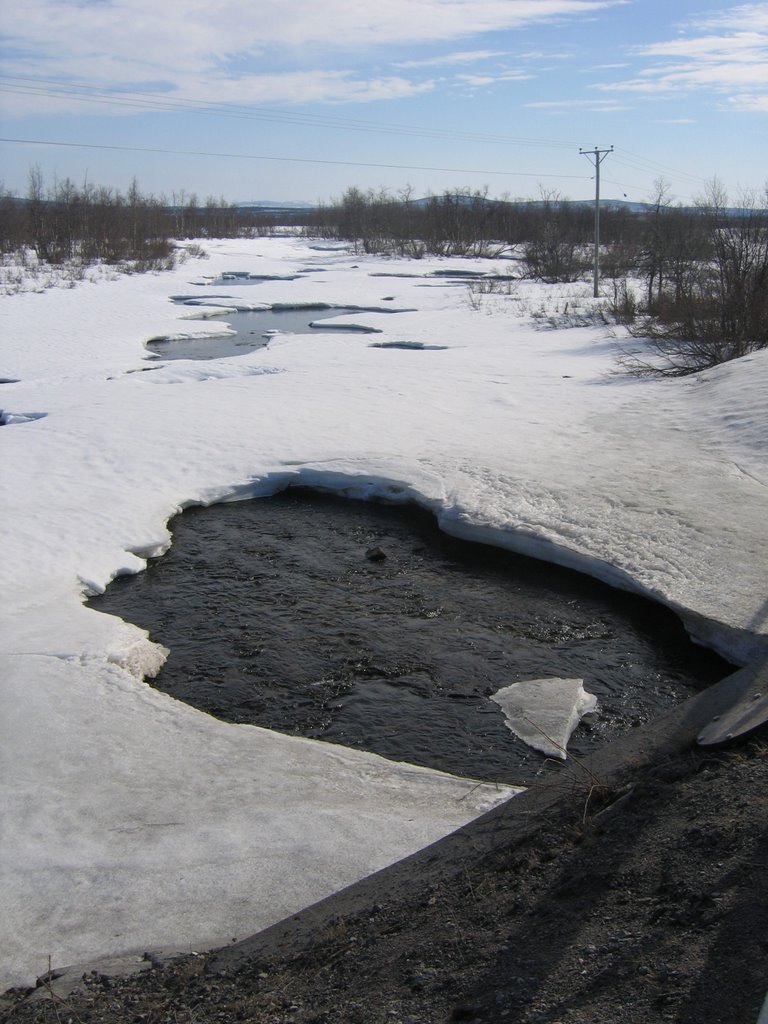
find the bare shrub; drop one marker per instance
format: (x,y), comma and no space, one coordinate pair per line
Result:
(714,307)
(554,259)
(624,305)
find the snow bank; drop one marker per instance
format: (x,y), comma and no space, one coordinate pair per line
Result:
(131,820)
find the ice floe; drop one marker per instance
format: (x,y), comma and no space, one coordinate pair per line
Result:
(545,712)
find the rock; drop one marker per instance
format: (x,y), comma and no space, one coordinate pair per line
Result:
(61,982)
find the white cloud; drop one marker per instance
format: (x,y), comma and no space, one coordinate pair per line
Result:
(726,52)
(310,86)
(130,43)
(462,57)
(561,106)
(189,93)
(492,79)
(755,15)
(473,56)
(750,102)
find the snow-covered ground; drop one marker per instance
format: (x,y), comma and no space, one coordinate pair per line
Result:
(131,820)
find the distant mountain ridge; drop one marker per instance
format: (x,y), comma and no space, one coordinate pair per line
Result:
(276,204)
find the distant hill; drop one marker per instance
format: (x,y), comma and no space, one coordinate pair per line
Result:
(605,204)
(275,204)
(470,200)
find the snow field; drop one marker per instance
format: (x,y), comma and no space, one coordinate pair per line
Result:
(131,820)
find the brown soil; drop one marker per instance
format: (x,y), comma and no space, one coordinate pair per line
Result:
(643,900)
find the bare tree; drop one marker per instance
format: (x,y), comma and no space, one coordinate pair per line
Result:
(714,307)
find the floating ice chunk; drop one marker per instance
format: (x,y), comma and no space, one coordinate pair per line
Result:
(544,712)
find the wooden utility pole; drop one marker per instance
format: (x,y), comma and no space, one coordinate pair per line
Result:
(596,156)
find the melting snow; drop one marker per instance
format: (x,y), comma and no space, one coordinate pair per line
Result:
(131,820)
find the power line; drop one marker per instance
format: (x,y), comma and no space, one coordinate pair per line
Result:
(288,159)
(641,163)
(162,103)
(49,87)
(625,184)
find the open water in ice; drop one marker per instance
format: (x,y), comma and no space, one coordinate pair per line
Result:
(254,327)
(280,612)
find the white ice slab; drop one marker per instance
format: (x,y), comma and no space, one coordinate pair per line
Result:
(544,712)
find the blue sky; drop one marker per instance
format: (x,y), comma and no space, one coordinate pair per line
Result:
(299,100)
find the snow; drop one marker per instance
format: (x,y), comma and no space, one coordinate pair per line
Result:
(544,712)
(133,821)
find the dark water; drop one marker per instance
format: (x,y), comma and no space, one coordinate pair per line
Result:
(252,327)
(280,612)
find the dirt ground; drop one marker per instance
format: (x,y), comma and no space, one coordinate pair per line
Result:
(641,901)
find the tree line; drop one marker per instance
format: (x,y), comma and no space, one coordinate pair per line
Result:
(462,222)
(88,223)
(691,281)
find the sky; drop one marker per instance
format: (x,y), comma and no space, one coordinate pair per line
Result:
(299,101)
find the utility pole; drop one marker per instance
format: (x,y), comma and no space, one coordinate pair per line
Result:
(596,156)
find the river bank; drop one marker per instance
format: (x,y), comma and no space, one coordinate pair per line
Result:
(644,899)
